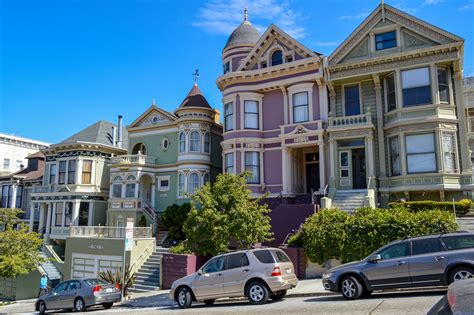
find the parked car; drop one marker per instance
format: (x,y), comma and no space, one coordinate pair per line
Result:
(421,261)
(258,274)
(458,300)
(78,295)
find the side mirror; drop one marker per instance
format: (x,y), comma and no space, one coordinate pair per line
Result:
(375,258)
(200,272)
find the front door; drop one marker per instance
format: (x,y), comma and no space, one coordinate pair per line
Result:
(210,283)
(359,177)
(312,177)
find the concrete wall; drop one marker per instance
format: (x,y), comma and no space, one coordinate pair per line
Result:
(23,287)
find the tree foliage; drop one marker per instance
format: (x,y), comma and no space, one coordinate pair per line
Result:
(226,212)
(173,218)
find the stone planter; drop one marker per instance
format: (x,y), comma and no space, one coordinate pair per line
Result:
(298,259)
(176,266)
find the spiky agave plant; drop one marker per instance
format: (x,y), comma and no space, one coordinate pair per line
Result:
(116,278)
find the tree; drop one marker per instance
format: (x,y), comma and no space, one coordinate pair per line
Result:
(173,218)
(226,212)
(19,248)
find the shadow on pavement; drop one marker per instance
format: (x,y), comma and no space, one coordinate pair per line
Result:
(381,295)
(159,300)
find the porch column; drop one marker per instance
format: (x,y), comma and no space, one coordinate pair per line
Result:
(332,101)
(323,99)
(153,192)
(77,179)
(285,104)
(53,214)
(63,217)
(463,140)
(332,161)
(380,137)
(48,218)
(90,217)
(370,152)
(284,170)
(398,89)
(41,216)
(322,168)
(32,215)
(14,192)
(75,212)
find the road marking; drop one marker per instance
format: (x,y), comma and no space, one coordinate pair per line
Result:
(372,310)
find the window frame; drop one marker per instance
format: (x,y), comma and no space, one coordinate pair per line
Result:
(294,107)
(453,152)
(207,142)
(407,154)
(447,85)
(71,179)
(86,172)
(404,105)
(62,181)
(226,167)
(53,173)
(197,184)
(227,115)
(386,92)
(181,185)
(280,61)
(253,114)
(161,179)
(344,101)
(196,142)
(182,142)
(386,40)
(258,166)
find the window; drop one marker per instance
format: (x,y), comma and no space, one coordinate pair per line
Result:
(164,183)
(449,152)
(215,265)
(385,40)
(71,171)
(351,100)
(33,164)
(229,162)
(84,214)
(6,164)
(59,214)
(236,261)
(205,178)
(281,256)
(139,148)
(52,174)
(182,142)
(421,156)
(5,196)
(250,114)
(443,86)
(165,143)
(131,178)
(425,246)
(229,117)
(193,183)
(300,107)
(62,172)
(395,156)
(226,67)
(181,185)
(74,285)
(344,159)
(130,190)
(263,64)
(458,242)
(207,143)
(195,142)
(390,92)
(68,214)
(394,251)
(252,164)
(19,197)
(117,187)
(277,58)
(61,287)
(18,163)
(86,171)
(289,59)
(416,87)
(264,256)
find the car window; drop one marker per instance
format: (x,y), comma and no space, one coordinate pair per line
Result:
(264,256)
(394,251)
(236,260)
(74,285)
(425,246)
(61,287)
(281,256)
(458,242)
(215,265)
(94,282)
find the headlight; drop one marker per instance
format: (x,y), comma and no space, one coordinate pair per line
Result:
(327,275)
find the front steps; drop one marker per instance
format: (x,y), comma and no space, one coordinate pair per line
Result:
(148,276)
(349,200)
(51,271)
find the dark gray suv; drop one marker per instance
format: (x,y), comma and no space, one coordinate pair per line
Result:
(416,262)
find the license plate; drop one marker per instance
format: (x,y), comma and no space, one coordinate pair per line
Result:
(109,290)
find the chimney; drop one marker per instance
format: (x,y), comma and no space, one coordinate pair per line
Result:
(119,131)
(114,136)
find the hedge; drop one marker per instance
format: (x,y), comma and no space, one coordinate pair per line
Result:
(462,206)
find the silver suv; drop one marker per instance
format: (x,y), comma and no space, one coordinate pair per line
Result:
(258,274)
(421,261)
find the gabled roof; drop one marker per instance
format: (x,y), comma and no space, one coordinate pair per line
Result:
(383,11)
(99,132)
(195,99)
(152,109)
(266,39)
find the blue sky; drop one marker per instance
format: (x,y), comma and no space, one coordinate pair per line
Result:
(65,64)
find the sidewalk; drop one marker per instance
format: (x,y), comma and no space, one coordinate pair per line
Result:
(309,287)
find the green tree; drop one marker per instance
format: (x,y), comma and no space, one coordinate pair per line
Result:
(19,248)
(226,212)
(173,218)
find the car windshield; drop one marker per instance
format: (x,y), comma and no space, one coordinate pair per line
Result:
(94,282)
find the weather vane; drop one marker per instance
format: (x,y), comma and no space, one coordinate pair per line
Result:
(196,75)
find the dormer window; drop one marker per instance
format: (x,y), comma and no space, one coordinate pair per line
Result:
(277,58)
(289,59)
(385,40)
(226,67)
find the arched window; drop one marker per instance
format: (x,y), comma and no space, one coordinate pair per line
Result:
(193,183)
(117,187)
(181,185)
(118,179)
(207,143)
(194,142)
(139,148)
(205,178)
(131,178)
(130,186)
(182,142)
(277,58)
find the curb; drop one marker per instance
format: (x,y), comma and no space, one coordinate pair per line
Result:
(297,295)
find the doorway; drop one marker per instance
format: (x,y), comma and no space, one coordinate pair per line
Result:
(359,177)
(312,172)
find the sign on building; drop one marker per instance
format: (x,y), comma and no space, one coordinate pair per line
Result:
(129,234)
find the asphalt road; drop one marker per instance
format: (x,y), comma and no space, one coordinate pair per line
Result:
(381,303)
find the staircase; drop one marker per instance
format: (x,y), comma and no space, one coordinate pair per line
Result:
(162,233)
(349,200)
(53,273)
(466,222)
(148,276)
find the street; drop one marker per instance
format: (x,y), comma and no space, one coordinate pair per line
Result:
(413,302)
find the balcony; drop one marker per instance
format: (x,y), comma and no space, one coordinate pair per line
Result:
(350,122)
(81,188)
(133,159)
(108,232)
(59,233)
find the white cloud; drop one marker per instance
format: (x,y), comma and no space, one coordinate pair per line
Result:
(467,6)
(432,2)
(222,17)
(403,7)
(328,44)
(354,16)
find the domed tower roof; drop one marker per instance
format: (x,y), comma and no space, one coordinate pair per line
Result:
(195,99)
(245,34)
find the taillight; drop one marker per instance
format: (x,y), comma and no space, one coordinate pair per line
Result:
(117,286)
(451,299)
(276,272)
(96,289)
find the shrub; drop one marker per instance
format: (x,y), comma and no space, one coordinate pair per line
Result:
(181,248)
(142,221)
(462,206)
(116,278)
(173,218)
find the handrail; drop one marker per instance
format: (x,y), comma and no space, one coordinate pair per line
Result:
(52,252)
(144,255)
(368,183)
(325,191)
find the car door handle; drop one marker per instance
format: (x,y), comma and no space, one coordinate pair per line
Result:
(246,270)
(438,258)
(400,262)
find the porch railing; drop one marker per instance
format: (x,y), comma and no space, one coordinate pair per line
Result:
(355,120)
(140,159)
(59,231)
(108,232)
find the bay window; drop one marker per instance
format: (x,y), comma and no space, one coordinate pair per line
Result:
(416,87)
(181,185)
(195,142)
(394,145)
(421,154)
(390,92)
(193,183)
(117,187)
(62,172)
(71,171)
(86,171)
(351,100)
(182,142)
(229,116)
(449,152)
(250,114)
(229,162)
(130,190)
(207,143)
(443,86)
(52,174)
(300,107)
(252,165)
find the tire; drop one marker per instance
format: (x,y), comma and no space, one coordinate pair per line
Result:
(461,273)
(351,288)
(41,307)
(79,305)
(108,305)
(209,302)
(278,296)
(184,298)
(257,293)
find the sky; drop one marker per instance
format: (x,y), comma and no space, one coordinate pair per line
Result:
(65,64)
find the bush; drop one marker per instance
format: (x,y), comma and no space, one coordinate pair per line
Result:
(332,234)
(462,206)
(173,218)
(116,278)
(181,248)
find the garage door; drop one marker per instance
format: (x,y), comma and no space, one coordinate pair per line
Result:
(83,268)
(89,266)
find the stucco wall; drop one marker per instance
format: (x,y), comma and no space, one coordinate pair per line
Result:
(272,112)
(272,167)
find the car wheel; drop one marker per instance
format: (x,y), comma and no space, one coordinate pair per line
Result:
(351,288)
(209,302)
(184,298)
(257,293)
(107,305)
(461,273)
(79,305)
(41,307)
(278,296)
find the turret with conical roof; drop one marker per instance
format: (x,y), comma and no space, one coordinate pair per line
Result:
(196,105)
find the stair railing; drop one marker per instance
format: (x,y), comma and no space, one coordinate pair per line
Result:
(150,212)
(144,255)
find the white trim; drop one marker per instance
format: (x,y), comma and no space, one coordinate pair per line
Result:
(139,134)
(251,96)
(163,178)
(298,88)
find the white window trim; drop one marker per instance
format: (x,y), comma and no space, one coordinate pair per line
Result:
(448,77)
(385,90)
(200,140)
(298,88)
(226,100)
(400,102)
(381,30)
(185,142)
(185,189)
(436,151)
(456,151)
(343,97)
(249,96)
(234,160)
(163,178)
(261,165)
